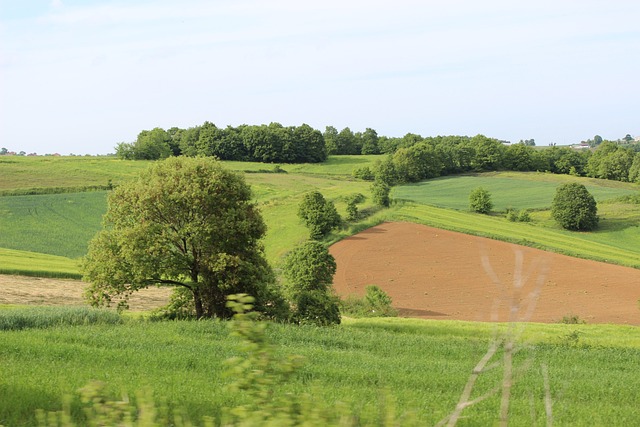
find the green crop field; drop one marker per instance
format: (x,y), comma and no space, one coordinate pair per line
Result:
(528,190)
(37,264)
(420,366)
(55,224)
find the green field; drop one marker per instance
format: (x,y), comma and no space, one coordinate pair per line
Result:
(54,224)
(526,190)
(421,366)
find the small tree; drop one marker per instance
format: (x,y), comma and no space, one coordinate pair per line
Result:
(380,192)
(309,270)
(574,208)
(480,201)
(319,215)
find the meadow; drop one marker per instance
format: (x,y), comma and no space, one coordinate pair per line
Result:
(418,367)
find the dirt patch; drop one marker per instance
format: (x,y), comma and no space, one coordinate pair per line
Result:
(438,274)
(38,291)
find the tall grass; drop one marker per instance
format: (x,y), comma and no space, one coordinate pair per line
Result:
(421,366)
(46,317)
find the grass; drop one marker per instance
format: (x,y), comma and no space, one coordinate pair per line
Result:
(48,171)
(46,317)
(35,264)
(24,173)
(420,365)
(62,224)
(55,224)
(508,190)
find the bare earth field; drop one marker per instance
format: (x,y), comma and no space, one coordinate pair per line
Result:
(37,291)
(438,274)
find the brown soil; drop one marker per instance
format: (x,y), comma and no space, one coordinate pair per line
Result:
(37,291)
(438,274)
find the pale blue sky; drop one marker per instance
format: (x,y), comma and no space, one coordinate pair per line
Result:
(81,76)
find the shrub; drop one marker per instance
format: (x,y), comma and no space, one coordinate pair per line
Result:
(572,319)
(363,173)
(480,201)
(380,192)
(319,215)
(309,270)
(524,216)
(574,208)
(375,303)
(514,215)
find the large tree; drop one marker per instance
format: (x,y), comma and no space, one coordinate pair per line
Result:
(186,222)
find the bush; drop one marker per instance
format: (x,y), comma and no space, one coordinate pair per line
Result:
(514,215)
(364,173)
(318,308)
(309,270)
(319,215)
(180,307)
(574,208)
(375,303)
(480,201)
(380,192)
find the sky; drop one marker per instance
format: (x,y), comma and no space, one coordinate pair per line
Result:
(79,77)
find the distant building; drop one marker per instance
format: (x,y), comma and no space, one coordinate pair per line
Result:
(582,146)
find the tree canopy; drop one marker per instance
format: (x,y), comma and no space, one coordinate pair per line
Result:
(574,208)
(318,214)
(480,200)
(309,270)
(186,222)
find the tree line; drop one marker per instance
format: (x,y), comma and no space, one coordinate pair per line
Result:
(271,143)
(425,158)
(411,158)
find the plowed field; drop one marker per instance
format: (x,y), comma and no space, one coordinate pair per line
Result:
(438,274)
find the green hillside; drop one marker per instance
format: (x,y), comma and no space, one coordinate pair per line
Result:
(62,224)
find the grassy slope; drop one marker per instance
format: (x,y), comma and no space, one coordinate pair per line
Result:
(55,224)
(421,365)
(508,190)
(36,264)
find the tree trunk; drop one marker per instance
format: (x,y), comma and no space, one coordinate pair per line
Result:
(197,300)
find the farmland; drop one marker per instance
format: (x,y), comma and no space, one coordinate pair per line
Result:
(422,366)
